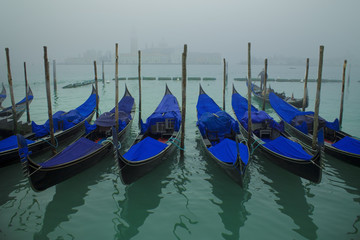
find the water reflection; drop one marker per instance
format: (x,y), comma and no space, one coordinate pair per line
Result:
(140,198)
(291,197)
(69,195)
(10,181)
(232,197)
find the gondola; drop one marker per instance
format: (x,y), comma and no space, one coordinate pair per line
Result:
(296,102)
(2,95)
(221,138)
(81,154)
(157,139)
(275,143)
(6,114)
(66,124)
(300,124)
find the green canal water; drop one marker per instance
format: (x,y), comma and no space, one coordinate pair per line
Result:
(189,197)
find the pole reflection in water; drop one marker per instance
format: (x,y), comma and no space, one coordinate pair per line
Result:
(290,192)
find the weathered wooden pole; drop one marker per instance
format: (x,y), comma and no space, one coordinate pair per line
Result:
(116,88)
(249,93)
(305,85)
(27,95)
(264,91)
(97,91)
(224,84)
(103,72)
(183,107)
(13,104)
(48,95)
(342,94)
(139,76)
(317,101)
(54,75)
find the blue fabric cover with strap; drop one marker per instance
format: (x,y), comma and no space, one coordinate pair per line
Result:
(78,149)
(286,147)
(289,113)
(226,151)
(11,143)
(206,104)
(348,144)
(220,122)
(144,149)
(63,121)
(167,109)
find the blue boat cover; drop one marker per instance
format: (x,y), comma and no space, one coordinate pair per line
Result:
(63,121)
(144,149)
(226,151)
(206,104)
(126,103)
(288,148)
(240,107)
(220,122)
(11,143)
(76,150)
(296,117)
(167,109)
(348,144)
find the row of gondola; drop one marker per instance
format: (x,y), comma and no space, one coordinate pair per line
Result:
(223,138)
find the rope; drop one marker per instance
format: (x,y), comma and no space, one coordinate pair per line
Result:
(56,144)
(252,147)
(173,142)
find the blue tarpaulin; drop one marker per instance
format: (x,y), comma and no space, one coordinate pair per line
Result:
(144,149)
(348,144)
(74,151)
(63,121)
(220,122)
(206,104)
(167,109)
(286,147)
(226,151)
(10,143)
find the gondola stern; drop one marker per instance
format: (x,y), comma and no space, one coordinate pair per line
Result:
(23,154)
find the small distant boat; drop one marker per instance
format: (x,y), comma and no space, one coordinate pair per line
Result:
(81,154)
(273,141)
(300,124)
(65,124)
(6,115)
(296,102)
(221,138)
(155,141)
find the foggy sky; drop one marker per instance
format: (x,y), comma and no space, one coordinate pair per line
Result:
(275,28)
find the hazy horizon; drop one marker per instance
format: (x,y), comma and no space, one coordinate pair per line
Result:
(280,28)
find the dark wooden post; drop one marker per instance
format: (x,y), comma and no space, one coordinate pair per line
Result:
(13,104)
(305,85)
(48,95)
(249,93)
(224,84)
(116,88)
(97,91)
(139,75)
(27,96)
(183,107)
(342,94)
(265,79)
(317,101)
(103,73)
(54,74)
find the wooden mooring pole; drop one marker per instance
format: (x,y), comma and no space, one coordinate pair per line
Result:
(13,105)
(224,84)
(183,107)
(139,74)
(48,95)
(54,75)
(116,88)
(27,96)
(249,94)
(264,86)
(97,90)
(305,85)
(317,101)
(103,72)
(342,94)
